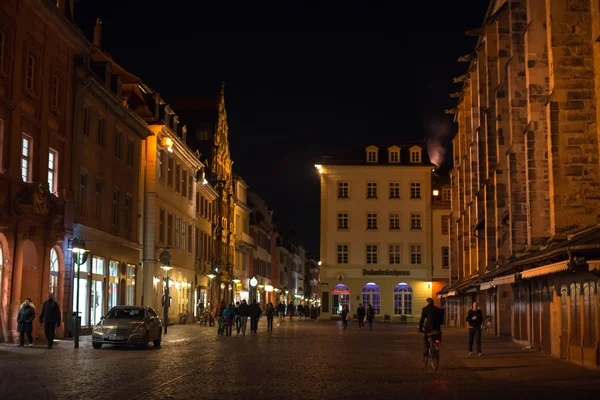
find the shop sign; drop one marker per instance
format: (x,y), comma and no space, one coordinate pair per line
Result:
(388,272)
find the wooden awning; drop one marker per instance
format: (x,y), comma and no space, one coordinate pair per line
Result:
(545,270)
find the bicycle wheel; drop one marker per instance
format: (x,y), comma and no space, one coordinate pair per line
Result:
(425,360)
(435,357)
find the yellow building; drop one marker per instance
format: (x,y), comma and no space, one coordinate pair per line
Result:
(105,175)
(244,243)
(376,231)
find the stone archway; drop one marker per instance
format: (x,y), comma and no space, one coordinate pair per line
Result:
(32,268)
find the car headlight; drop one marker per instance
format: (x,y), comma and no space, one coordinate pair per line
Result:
(97,330)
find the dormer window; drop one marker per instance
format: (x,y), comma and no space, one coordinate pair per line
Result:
(394,155)
(372,152)
(415,155)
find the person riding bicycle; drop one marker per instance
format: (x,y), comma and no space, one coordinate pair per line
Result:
(431,320)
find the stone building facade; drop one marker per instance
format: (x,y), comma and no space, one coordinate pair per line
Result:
(377,231)
(525,180)
(39,48)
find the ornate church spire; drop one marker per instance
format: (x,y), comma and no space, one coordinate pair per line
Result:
(222,126)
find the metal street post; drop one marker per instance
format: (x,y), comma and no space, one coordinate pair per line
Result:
(165,261)
(79,251)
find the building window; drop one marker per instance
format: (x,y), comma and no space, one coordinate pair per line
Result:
(446,194)
(177,178)
(394,156)
(189,234)
(177,233)
(118,141)
(415,156)
(87,114)
(394,250)
(343,190)
(101,131)
(30,78)
(170,172)
(161,226)
(2,47)
(83,179)
(190,186)
(130,153)
(371,294)
(170,230)
(98,199)
(402,299)
(445,224)
(394,221)
(116,196)
(415,190)
(415,221)
(372,221)
(372,156)
(343,220)
(342,254)
(416,254)
(445,257)
(182,231)
(371,190)
(128,205)
(371,254)
(160,165)
(26,156)
(52,170)
(130,295)
(55,90)
(198,203)
(113,283)
(184,183)
(394,190)
(54,269)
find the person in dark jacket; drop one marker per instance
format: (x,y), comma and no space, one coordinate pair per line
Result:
(370,316)
(360,313)
(291,309)
(25,322)
(255,312)
(237,317)
(431,320)
(475,319)
(229,318)
(220,319)
(280,311)
(345,313)
(270,313)
(300,310)
(244,312)
(50,317)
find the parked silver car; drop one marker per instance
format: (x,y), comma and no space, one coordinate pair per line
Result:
(128,325)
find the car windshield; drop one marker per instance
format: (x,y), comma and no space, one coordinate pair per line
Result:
(126,313)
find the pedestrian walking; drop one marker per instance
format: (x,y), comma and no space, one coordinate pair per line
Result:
(370,316)
(345,313)
(475,319)
(291,309)
(270,313)
(228,318)
(237,318)
(255,313)
(300,310)
(25,322)
(244,312)
(360,313)
(50,317)
(280,310)
(219,316)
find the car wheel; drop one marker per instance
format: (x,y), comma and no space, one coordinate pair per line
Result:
(96,345)
(157,341)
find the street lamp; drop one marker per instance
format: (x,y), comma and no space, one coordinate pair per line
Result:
(253,283)
(80,253)
(165,263)
(211,275)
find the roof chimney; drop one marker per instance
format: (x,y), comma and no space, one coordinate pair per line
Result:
(98,33)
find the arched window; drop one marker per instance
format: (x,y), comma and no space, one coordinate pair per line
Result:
(575,294)
(403,299)
(589,315)
(341,297)
(371,294)
(53,272)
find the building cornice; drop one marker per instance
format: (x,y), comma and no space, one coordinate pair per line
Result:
(337,168)
(65,29)
(93,232)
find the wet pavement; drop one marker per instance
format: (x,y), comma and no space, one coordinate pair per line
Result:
(302,359)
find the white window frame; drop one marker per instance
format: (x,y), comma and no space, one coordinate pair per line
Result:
(372,156)
(416,221)
(445,257)
(415,190)
(343,221)
(394,220)
(343,253)
(415,156)
(446,194)
(394,190)
(394,157)
(52,171)
(371,252)
(343,190)
(26,157)
(395,253)
(372,220)
(416,254)
(371,190)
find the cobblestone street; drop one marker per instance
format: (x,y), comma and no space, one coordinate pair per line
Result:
(299,360)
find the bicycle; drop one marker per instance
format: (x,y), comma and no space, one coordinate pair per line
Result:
(434,349)
(487,325)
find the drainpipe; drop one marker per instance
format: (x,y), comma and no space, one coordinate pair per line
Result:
(146,274)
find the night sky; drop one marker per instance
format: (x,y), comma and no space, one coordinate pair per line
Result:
(302,81)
